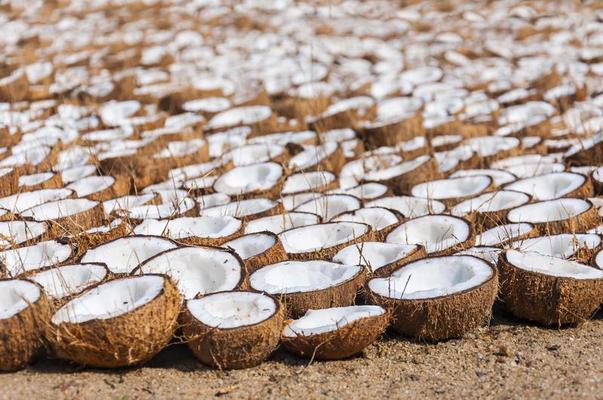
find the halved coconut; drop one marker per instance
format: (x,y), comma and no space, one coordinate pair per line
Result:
(100,187)
(212,200)
(67,215)
(403,176)
(9,181)
(176,207)
(203,231)
(15,233)
(309,181)
(246,210)
(553,186)
(64,282)
(260,117)
(489,209)
(123,203)
(232,330)
(454,190)
(328,157)
(366,191)
(304,285)
(42,180)
(19,202)
(597,177)
(279,223)
(578,246)
(323,241)
(499,176)
(123,255)
(256,153)
(486,253)
(557,216)
(118,323)
(549,290)
(408,206)
(335,333)
(380,219)
(380,258)
(23,313)
(258,249)
(598,260)
(251,180)
(529,170)
(438,298)
(44,254)
(503,234)
(330,205)
(439,234)
(197,270)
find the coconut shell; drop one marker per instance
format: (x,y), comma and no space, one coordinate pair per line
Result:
(391,134)
(274,254)
(128,339)
(589,219)
(443,317)
(342,343)
(234,348)
(76,223)
(21,335)
(545,299)
(9,183)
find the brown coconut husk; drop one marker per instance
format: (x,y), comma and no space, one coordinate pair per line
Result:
(9,183)
(274,254)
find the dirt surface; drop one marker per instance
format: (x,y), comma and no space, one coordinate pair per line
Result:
(505,361)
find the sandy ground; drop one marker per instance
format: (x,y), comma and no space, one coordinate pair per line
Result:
(504,361)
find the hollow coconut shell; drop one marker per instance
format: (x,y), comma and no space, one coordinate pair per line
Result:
(233,348)
(546,299)
(342,343)
(274,254)
(128,339)
(22,334)
(444,317)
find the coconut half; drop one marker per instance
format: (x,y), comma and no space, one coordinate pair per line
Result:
(23,315)
(490,209)
(197,270)
(454,190)
(67,215)
(553,186)
(379,258)
(439,234)
(335,333)
(246,210)
(258,249)
(30,258)
(123,255)
(408,206)
(309,181)
(578,246)
(15,233)
(329,206)
(279,223)
(438,298)
(380,219)
(503,234)
(549,290)
(251,180)
(63,282)
(323,240)
(233,330)
(204,230)
(304,285)
(118,323)
(557,216)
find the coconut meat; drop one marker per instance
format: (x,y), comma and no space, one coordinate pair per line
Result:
(434,232)
(315,322)
(43,254)
(321,236)
(306,181)
(59,209)
(433,277)
(249,178)
(563,245)
(452,188)
(548,211)
(377,217)
(328,206)
(110,299)
(408,206)
(241,209)
(185,227)
(67,280)
(15,296)
(230,310)
(374,254)
(490,202)
(251,245)
(551,266)
(548,186)
(279,223)
(502,233)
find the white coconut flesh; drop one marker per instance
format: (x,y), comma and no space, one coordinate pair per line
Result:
(59,209)
(312,155)
(242,208)
(124,254)
(249,178)
(599,260)
(251,245)
(500,177)
(72,174)
(279,223)
(549,211)
(254,153)
(330,205)
(229,310)
(307,181)
(452,188)
(433,277)
(408,206)
(301,276)
(41,255)
(91,184)
(598,174)
(534,169)
(67,280)
(355,171)
(22,201)
(491,202)
(552,266)
(239,116)
(486,253)
(290,202)
(502,233)
(486,146)
(17,232)
(374,254)
(197,270)
(321,236)
(563,245)
(397,170)
(377,217)
(105,228)
(316,322)
(548,186)
(434,232)
(161,211)
(35,179)
(16,295)
(126,202)
(366,191)
(110,299)
(212,200)
(186,227)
